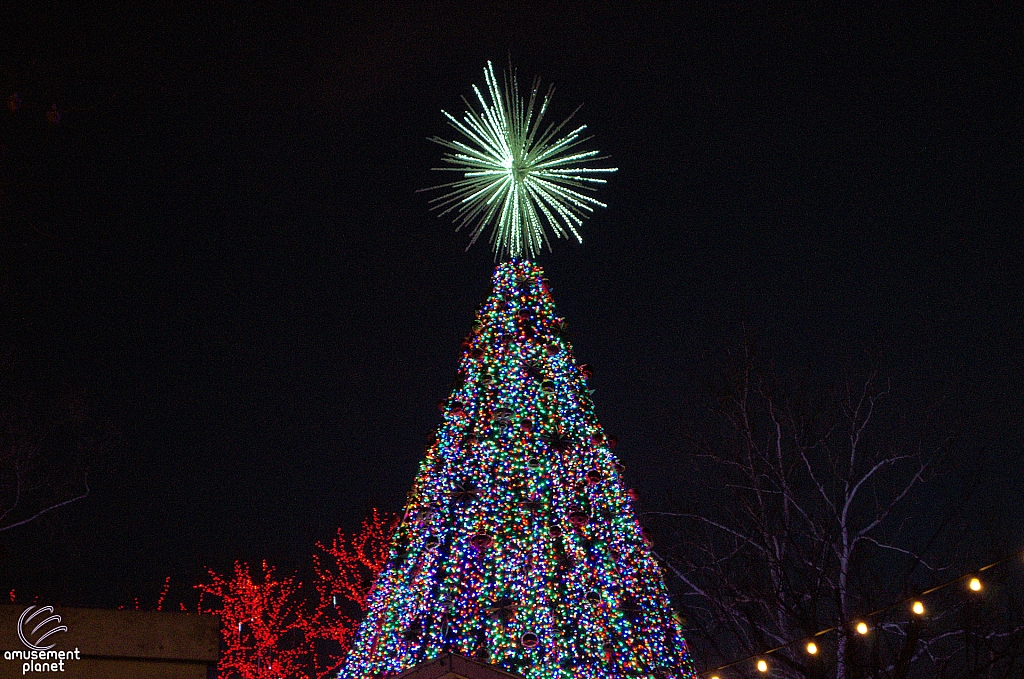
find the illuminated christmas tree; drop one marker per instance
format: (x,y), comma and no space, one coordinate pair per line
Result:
(519,545)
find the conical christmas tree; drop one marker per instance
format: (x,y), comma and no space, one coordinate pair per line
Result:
(519,545)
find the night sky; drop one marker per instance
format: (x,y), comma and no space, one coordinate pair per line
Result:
(221,244)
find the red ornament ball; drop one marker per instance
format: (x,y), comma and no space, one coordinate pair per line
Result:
(481,541)
(529,640)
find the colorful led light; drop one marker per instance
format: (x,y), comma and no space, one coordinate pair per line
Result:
(519,544)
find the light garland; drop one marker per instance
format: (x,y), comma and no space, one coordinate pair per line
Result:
(970,580)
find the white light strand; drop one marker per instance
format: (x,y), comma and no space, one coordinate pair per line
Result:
(971,580)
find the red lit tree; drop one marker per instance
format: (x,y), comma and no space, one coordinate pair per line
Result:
(276,627)
(349,564)
(345,571)
(265,624)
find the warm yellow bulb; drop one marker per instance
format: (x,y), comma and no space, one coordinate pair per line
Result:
(715,676)
(975,585)
(862,628)
(762,666)
(918,608)
(812,648)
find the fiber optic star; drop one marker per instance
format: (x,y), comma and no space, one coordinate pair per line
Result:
(517,179)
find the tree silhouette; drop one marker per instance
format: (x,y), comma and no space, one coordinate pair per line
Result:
(825,505)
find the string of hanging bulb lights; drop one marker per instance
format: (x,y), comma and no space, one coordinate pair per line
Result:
(970,580)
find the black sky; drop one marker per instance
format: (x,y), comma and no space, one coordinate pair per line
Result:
(224,247)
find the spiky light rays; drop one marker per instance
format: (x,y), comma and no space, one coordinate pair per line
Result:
(516,178)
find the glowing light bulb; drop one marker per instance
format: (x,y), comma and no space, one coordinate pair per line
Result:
(862,628)
(715,676)
(812,648)
(762,666)
(975,585)
(918,608)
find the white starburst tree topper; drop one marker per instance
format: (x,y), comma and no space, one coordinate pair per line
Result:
(516,178)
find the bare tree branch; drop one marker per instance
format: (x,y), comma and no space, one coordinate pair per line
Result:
(816,525)
(48,509)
